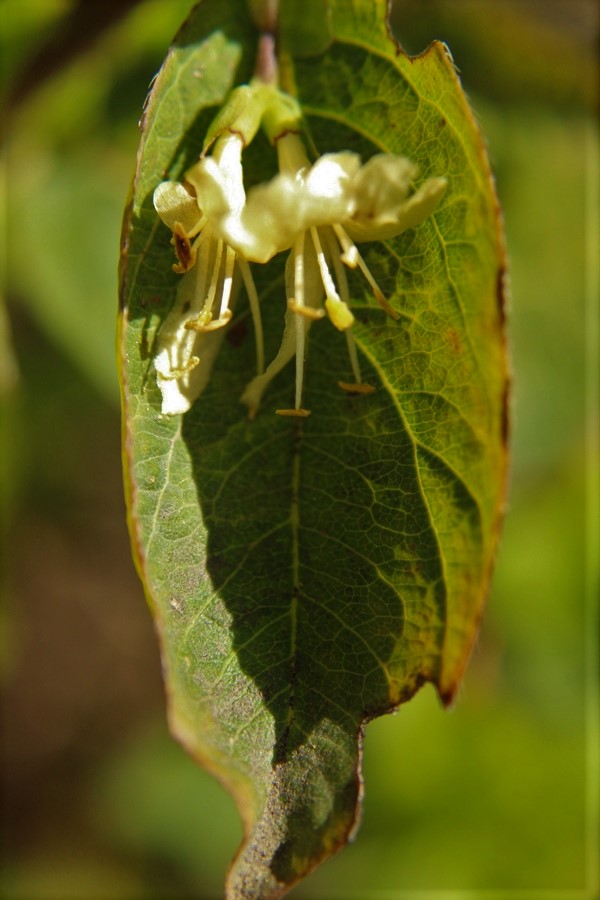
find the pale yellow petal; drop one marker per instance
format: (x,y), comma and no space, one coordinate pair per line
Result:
(269,222)
(174,204)
(409,214)
(330,180)
(278,211)
(382,185)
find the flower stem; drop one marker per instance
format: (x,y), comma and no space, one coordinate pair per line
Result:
(266,69)
(264,14)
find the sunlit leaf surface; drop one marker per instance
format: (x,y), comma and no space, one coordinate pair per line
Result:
(307,575)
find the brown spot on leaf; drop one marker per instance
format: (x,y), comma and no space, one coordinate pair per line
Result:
(453,340)
(501,292)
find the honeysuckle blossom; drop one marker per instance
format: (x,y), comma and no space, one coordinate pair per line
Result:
(187,343)
(319,211)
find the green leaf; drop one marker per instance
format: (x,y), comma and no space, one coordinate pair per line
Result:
(307,575)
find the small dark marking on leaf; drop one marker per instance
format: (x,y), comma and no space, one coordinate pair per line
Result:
(454,341)
(501,293)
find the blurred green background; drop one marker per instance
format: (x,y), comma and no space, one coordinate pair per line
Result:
(99,803)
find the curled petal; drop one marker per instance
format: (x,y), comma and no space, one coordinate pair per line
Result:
(174,386)
(174,204)
(382,184)
(211,187)
(407,214)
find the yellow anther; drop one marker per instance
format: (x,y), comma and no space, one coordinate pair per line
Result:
(356,388)
(298,413)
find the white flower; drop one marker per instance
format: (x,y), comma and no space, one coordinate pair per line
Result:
(319,211)
(383,207)
(187,343)
(294,201)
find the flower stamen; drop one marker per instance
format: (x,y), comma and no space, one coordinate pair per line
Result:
(319,211)
(328,282)
(214,282)
(176,373)
(345,296)
(337,309)
(377,292)
(309,312)
(227,282)
(349,249)
(212,325)
(185,252)
(299,320)
(353,259)
(203,322)
(255,313)
(299,413)
(356,388)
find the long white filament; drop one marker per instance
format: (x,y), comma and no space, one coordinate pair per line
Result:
(342,280)
(326,278)
(255,312)
(201,274)
(299,321)
(352,258)
(227,282)
(221,282)
(206,313)
(181,352)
